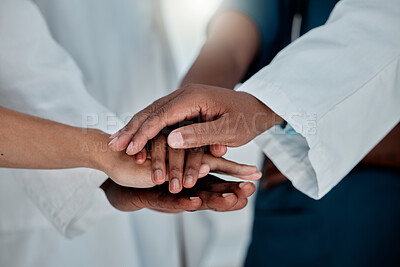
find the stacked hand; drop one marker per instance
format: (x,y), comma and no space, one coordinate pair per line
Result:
(131,186)
(231,119)
(210,193)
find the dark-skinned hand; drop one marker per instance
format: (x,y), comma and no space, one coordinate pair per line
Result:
(209,193)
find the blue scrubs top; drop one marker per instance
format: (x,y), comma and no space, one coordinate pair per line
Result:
(274,19)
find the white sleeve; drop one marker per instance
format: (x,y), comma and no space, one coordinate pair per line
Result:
(38,77)
(338,87)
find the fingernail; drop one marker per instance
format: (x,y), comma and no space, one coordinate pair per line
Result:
(129,149)
(113,141)
(139,156)
(189,180)
(194,198)
(158,176)
(175,140)
(225,195)
(114,135)
(241,185)
(175,184)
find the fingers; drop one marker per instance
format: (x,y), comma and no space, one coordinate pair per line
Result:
(215,194)
(141,157)
(171,113)
(218,150)
(242,189)
(242,203)
(132,199)
(194,159)
(204,170)
(158,158)
(178,203)
(226,196)
(220,195)
(217,201)
(224,166)
(176,158)
(121,139)
(200,134)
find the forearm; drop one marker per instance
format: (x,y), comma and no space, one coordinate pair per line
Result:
(231,46)
(35,143)
(214,66)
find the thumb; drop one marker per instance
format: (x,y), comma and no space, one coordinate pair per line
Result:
(198,135)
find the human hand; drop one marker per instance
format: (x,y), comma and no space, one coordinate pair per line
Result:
(177,159)
(231,118)
(186,166)
(210,193)
(124,171)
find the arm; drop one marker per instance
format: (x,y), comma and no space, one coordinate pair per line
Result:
(22,146)
(232,43)
(30,142)
(39,78)
(341,96)
(33,143)
(334,86)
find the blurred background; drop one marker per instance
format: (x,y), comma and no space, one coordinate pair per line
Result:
(186,23)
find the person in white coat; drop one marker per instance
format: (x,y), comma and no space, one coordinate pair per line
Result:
(89,65)
(325,110)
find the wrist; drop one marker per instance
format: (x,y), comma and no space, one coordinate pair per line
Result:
(264,117)
(96,154)
(272,119)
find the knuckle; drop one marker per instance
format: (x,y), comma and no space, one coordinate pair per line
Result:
(157,146)
(192,168)
(157,162)
(231,139)
(161,112)
(175,169)
(199,133)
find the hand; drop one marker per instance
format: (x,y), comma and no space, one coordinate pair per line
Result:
(178,160)
(186,166)
(232,119)
(210,193)
(124,171)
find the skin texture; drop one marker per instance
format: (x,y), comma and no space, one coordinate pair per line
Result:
(23,146)
(233,43)
(231,46)
(232,119)
(210,193)
(35,143)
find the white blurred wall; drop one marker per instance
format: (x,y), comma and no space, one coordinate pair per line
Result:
(186,25)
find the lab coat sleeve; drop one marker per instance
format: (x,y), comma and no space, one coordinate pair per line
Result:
(338,87)
(38,77)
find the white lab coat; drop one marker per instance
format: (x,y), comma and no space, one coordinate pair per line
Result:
(338,87)
(93,64)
